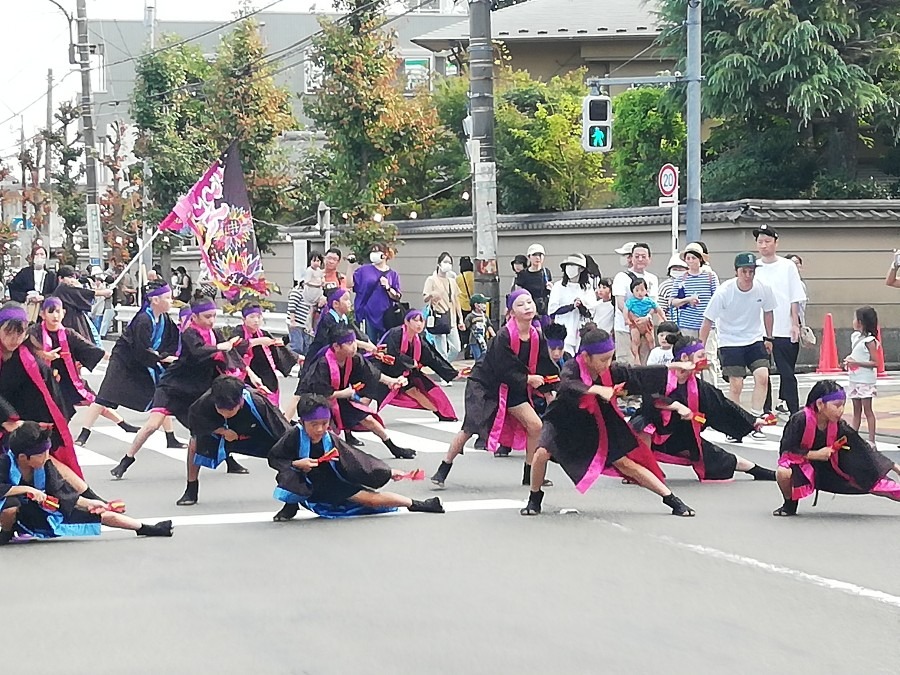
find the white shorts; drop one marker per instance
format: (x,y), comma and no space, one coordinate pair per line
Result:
(860,390)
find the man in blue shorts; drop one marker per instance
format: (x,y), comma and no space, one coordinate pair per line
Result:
(742,311)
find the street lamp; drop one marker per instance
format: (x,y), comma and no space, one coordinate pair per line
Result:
(72,59)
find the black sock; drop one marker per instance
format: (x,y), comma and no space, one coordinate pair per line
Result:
(90,494)
(671,500)
(6,536)
(390,444)
(124,426)
(526,475)
(170,436)
(760,473)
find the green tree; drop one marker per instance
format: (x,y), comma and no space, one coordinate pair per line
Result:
(647,132)
(822,66)
(188,110)
(374,133)
(65,143)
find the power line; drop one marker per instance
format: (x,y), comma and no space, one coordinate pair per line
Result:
(38,99)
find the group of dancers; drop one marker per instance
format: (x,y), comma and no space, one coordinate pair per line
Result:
(527,394)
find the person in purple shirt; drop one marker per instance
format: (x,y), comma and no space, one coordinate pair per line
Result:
(377,287)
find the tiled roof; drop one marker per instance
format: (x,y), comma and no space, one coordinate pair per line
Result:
(749,210)
(556,20)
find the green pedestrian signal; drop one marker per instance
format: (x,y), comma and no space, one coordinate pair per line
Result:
(596,124)
(598,136)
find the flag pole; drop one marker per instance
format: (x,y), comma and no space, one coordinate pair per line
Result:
(137,257)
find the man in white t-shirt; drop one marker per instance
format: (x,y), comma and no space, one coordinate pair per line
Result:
(781,275)
(640,261)
(742,311)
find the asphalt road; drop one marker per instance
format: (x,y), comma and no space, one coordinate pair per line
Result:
(618,587)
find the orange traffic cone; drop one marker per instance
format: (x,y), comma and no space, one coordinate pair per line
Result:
(879,357)
(828,357)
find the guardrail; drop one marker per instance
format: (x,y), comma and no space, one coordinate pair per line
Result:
(274,322)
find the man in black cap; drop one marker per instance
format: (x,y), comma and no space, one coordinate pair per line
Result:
(741,310)
(781,275)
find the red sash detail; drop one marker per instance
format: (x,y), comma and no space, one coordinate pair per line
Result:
(416,343)
(506,430)
(66,356)
(66,452)
(337,382)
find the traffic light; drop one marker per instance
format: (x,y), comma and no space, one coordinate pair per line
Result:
(596,124)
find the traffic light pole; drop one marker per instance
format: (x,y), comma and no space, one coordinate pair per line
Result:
(484,167)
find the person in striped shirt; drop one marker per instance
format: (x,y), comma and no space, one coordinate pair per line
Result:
(692,292)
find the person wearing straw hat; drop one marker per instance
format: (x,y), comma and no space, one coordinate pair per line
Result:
(572,300)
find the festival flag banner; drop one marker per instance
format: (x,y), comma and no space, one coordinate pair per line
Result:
(217,211)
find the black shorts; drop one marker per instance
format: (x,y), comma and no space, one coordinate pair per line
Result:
(736,361)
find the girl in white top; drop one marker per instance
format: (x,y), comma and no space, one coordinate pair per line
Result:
(605,310)
(861,366)
(572,300)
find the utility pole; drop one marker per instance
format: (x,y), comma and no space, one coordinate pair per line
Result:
(484,167)
(24,172)
(694,75)
(147,257)
(95,238)
(48,162)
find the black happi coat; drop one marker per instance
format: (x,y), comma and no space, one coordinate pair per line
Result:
(404,363)
(358,469)
(256,440)
(84,353)
(324,336)
(865,465)
(193,373)
(21,399)
(283,358)
(571,433)
(129,381)
(721,414)
(501,366)
(317,380)
(77,302)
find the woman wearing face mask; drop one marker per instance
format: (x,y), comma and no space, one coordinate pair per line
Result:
(377,287)
(572,300)
(445,319)
(33,283)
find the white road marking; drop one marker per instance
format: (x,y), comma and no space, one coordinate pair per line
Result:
(90,458)
(431,423)
(156,442)
(303,514)
(746,561)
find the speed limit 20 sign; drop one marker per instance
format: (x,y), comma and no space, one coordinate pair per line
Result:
(668,180)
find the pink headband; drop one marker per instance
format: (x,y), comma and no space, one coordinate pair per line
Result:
(604,347)
(692,348)
(316,414)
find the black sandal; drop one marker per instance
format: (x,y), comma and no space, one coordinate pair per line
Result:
(789,508)
(287,512)
(679,508)
(533,507)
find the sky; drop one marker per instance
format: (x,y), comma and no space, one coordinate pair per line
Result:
(35,36)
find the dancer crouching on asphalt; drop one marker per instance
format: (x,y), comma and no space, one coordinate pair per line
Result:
(585,432)
(320,472)
(820,451)
(500,390)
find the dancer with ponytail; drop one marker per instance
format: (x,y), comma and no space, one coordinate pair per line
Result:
(140,356)
(28,390)
(501,388)
(820,451)
(205,354)
(585,432)
(410,353)
(318,471)
(678,405)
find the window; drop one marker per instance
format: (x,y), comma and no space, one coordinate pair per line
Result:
(313,75)
(417,71)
